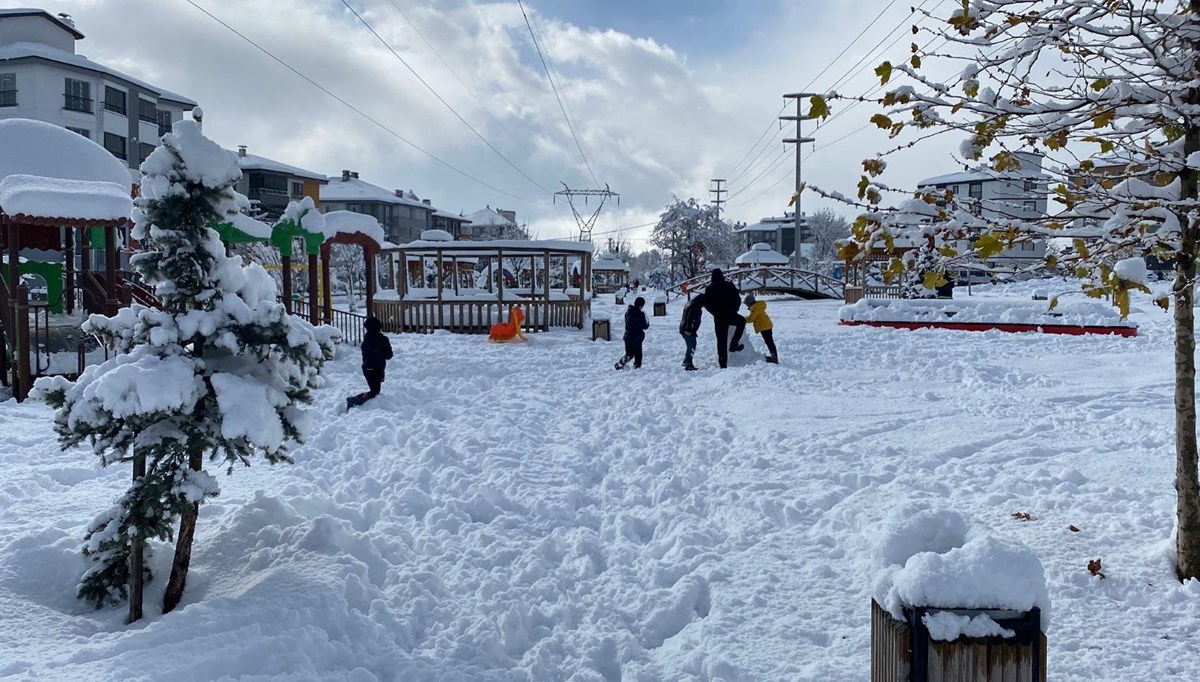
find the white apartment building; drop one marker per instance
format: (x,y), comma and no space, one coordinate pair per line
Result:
(42,78)
(1019,194)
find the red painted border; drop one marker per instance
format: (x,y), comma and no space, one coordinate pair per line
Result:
(1073,330)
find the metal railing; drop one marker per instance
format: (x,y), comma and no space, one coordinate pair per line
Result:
(74,103)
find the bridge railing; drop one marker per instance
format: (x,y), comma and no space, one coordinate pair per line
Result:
(767,279)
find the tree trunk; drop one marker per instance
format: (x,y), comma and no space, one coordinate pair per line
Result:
(1187,487)
(137,554)
(183,545)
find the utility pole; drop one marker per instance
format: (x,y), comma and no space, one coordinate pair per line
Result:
(799,140)
(716,189)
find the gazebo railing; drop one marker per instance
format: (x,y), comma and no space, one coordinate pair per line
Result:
(476,317)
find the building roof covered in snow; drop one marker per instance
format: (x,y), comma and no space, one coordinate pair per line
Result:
(610,262)
(489,217)
(1031,168)
(35,51)
(342,188)
(761,254)
(248,161)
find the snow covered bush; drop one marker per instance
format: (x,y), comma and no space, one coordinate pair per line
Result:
(220,372)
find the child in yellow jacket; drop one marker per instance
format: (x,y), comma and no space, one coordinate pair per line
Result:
(762,325)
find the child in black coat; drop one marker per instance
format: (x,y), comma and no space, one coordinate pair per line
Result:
(636,325)
(376,351)
(689,326)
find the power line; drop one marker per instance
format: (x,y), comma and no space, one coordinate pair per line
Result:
(358,111)
(774,120)
(470,91)
(554,87)
(766,169)
(849,45)
(429,87)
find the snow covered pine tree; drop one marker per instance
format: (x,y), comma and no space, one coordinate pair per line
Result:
(220,371)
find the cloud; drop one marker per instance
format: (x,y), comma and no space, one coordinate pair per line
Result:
(654,121)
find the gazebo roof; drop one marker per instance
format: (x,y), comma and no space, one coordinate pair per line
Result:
(494,247)
(47,171)
(762,254)
(610,262)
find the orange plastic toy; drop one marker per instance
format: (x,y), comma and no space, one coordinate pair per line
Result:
(503,332)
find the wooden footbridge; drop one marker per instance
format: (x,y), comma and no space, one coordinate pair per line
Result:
(769,280)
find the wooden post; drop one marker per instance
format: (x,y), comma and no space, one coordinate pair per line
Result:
(313,290)
(370,282)
(500,279)
(21,341)
(327,292)
(457,275)
(287,282)
(110,269)
(69,257)
(440,274)
(546,289)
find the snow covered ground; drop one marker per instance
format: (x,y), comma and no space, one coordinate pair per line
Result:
(524,512)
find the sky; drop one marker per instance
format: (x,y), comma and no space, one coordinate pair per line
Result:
(663,95)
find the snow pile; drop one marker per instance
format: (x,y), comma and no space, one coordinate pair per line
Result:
(249,226)
(947,626)
(50,151)
(304,213)
(1070,313)
(1132,270)
(436,236)
(33,195)
(935,559)
(349,222)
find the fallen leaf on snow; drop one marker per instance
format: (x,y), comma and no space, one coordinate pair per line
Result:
(1073,528)
(1094,568)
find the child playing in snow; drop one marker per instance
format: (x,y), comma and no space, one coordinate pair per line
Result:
(376,351)
(689,325)
(636,325)
(762,325)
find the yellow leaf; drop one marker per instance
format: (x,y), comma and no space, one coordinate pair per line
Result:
(1103,118)
(1121,300)
(933,280)
(819,108)
(1107,146)
(1081,249)
(947,251)
(915,61)
(882,121)
(1163,302)
(1051,261)
(792,201)
(1101,83)
(884,71)
(1053,304)
(971,88)
(988,245)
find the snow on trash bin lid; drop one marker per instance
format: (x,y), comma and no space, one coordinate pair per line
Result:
(935,558)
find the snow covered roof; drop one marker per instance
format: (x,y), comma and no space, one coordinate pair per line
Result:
(436,236)
(446,214)
(46,150)
(349,222)
(359,190)
(769,225)
(35,12)
(254,162)
(610,262)
(760,254)
(23,50)
(36,196)
(982,175)
(489,217)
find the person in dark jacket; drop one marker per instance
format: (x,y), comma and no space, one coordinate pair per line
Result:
(722,301)
(636,325)
(376,351)
(689,326)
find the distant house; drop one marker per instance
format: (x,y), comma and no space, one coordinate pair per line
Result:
(42,78)
(403,215)
(779,233)
(1018,194)
(457,225)
(270,184)
(495,223)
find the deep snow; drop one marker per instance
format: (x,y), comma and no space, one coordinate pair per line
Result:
(524,512)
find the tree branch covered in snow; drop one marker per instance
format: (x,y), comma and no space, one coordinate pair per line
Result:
(694,237)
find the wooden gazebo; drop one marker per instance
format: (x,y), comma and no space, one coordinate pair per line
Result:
(513,273)
(56,187)
(610,273)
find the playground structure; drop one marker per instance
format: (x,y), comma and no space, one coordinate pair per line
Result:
(511,271)
(770,280)
(610,274)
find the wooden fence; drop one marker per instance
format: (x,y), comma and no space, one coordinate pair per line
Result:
(477,317)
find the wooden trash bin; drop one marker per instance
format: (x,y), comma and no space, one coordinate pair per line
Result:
(601,329)
(903,651)
(620,299)
(660,308)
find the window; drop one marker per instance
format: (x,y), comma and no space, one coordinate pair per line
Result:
(1030,206)
(1028,246)
(297,189)
(268,184)
(8,89)
(976,190)
(1030,185)
(77,96)
(164,122)
(116,145)
(82,131)
(144,151)
(147,111)
(114,100)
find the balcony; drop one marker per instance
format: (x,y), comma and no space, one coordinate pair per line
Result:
(8,98)
(81,104)
(115,108)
